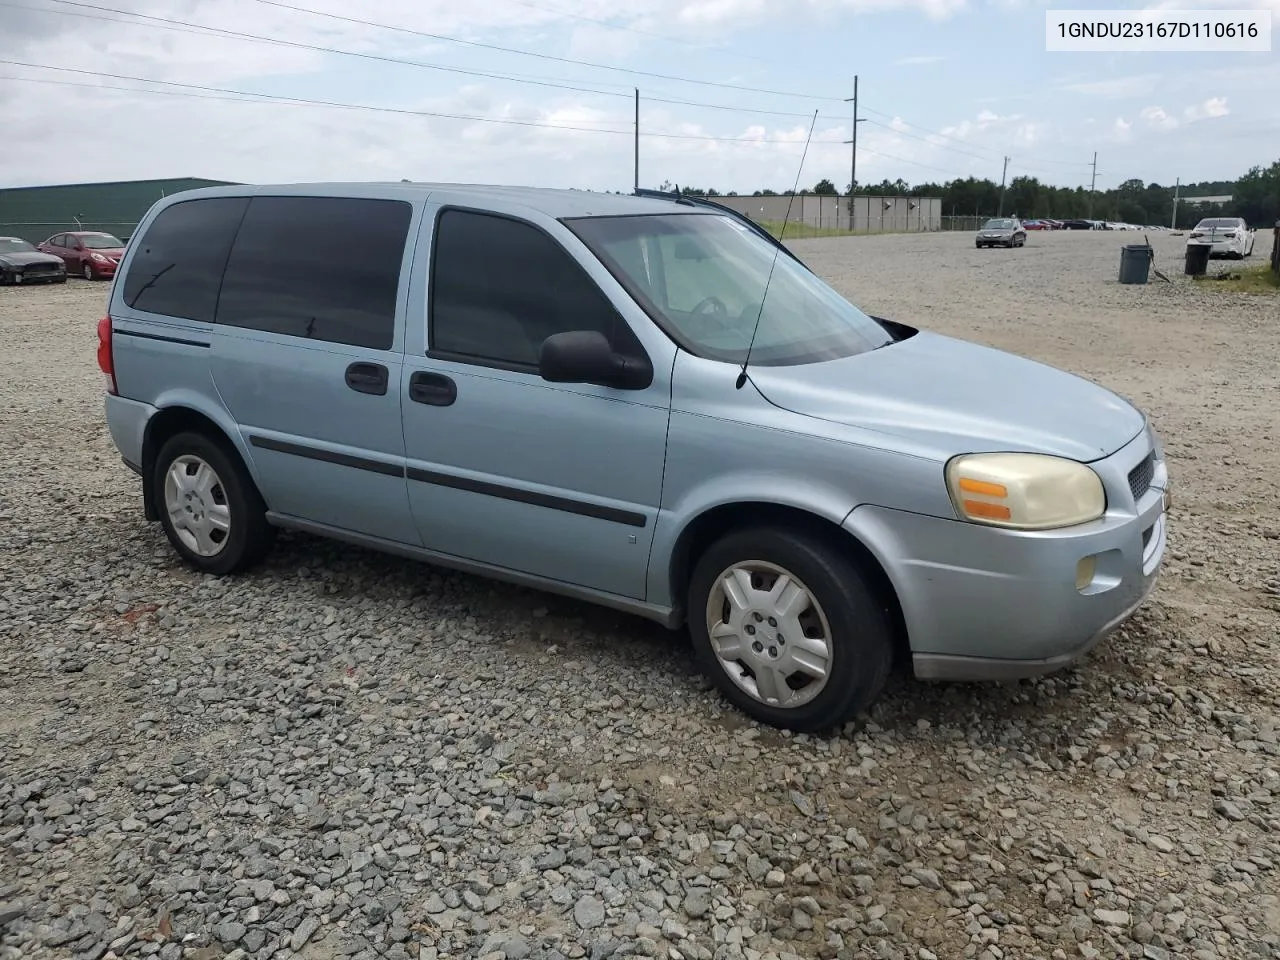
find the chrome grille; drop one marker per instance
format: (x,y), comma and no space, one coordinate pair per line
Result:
(1140,476)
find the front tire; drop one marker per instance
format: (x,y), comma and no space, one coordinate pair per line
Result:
(86,271)
(788,628)
(209,507)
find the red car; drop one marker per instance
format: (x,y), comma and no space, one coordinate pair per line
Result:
(87,253)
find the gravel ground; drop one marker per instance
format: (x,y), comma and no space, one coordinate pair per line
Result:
(347,755)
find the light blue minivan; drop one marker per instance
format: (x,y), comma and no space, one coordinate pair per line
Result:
(643,401)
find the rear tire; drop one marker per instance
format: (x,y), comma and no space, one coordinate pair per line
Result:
(209,507)
(801,638)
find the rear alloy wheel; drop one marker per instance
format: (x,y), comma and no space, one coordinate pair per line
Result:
(87,271)
(209,507)
(788,628)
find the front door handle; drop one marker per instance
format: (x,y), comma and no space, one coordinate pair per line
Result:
(433,389)
(367,378)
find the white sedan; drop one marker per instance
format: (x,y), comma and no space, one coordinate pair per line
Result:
(1227,236)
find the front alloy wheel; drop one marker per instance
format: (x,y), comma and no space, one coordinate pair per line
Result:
(87,271)
(769,634)
(789,627)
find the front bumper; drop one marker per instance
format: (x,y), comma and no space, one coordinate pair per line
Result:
(34,273)
(1005,238)
(982,603)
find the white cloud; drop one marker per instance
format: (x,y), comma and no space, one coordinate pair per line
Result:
(1211,108)
(1122,128)
(1157,117)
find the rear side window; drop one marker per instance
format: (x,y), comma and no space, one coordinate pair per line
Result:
(323,268)
(177,264)
(499,287)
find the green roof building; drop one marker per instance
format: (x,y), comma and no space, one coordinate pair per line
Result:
(36,213)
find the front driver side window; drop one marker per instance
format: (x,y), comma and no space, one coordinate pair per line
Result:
(500,287)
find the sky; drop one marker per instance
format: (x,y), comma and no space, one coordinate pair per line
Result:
(541,92)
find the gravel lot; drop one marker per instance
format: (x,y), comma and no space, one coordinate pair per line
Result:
(348,755)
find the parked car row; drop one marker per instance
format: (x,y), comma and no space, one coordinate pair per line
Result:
(90,254)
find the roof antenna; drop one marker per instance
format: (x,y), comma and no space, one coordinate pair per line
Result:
(742,375)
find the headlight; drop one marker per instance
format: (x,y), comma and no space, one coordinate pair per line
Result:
(1025,491)
(99,257)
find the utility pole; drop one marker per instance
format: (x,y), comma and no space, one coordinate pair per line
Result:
(1177,189)
(853,160)
(1092,183)
(637,162)
(1003,174)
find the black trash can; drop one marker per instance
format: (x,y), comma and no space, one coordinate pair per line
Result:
(1197,259)
(1135,262)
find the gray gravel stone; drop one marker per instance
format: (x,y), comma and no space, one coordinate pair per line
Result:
(589,913)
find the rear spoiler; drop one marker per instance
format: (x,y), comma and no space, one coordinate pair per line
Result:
(676,196)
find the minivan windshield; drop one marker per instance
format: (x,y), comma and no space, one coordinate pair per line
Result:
(703,276)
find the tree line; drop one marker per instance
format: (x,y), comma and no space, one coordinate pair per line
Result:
(1255,196)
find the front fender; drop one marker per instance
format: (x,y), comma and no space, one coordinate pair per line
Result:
(774,487)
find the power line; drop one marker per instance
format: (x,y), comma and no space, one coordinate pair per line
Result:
(201,30)
(304,101)
(204,92)
(201,92)
(444,38)
(178,26)
(556,83)
(183,26)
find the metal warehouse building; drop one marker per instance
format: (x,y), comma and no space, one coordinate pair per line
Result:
(36,213)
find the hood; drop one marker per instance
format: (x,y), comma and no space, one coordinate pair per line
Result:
(22,258)
(957,397)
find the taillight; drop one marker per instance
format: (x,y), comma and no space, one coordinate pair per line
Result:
(106,362)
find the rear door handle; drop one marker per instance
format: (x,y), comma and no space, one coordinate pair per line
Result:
(433,389)
(367,378)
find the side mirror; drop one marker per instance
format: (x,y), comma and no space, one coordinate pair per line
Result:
(586,356)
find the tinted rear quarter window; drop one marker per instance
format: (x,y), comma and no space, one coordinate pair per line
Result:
(500,287)
(177,263)
(322,268)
